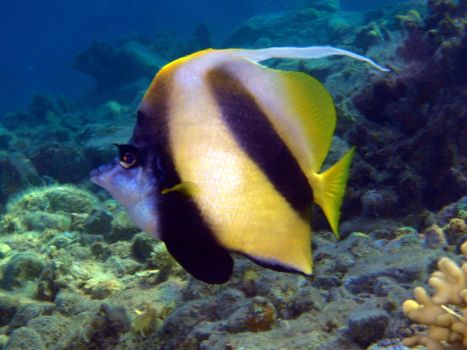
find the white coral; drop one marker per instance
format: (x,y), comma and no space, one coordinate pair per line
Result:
(445,313)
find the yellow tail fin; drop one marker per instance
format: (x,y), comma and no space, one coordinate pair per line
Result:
(329,189)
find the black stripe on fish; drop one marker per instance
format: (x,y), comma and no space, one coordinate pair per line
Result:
(186,234)
(258,138)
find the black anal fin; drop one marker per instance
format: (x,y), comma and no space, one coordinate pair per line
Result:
(190,240)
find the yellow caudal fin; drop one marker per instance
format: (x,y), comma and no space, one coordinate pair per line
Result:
(329,189)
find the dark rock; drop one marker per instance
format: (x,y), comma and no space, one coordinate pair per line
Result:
(228,302)
(114,66)
(184,319)
(27,312)
(50,327)
(123,266)
(326,282)
(101,251)
(22,267)
(72,304)
(306,300)
(72,167)
(142,246)
(107,326)
(343,263)
(17,173)
(8,308)
(25,338)
(359,283)
(422,109)
(378,203)
(367,326)
(371,35)
(5,139)
(99,223)
(41,105)
(258,315)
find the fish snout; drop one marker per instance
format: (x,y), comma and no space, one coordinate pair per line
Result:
(97,174)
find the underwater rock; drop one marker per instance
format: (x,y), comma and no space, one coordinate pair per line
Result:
(378,203)
(5,250)
(258,315)
(51,207)
(73,163)
(101,287)
(371,35)
(70,303)
(424,105)
(180,324)
(411,20)
(21,269)
(8,308)
(116,66)
(41,221)
(17,173)
(24,338)
(56,198)
(123,228)
(142,246)
(306,300)
(434,237)
(291,28)
(98,222)
(101,251)
(106,328)
(367,326)
(5,138)
(50,327)
(29,311)
(41,108)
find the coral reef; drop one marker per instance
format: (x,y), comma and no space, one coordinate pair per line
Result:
(445,312)
(415,143)
(58,207)
(75,273)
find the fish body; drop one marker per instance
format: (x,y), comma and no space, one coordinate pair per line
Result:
(226,156)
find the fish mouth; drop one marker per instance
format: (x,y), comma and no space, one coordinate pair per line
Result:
(96,174)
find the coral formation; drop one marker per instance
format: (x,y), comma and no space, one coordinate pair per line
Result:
(415,144)
(75,273)
(57,207)
(445,312)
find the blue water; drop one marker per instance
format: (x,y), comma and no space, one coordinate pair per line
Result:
(75,271)
(39,40)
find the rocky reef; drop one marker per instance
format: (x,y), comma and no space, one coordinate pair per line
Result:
(413,145)
(75,273)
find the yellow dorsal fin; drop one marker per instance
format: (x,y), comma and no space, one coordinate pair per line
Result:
(329,189)
(312,107)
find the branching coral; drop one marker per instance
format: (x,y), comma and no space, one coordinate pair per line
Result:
(445,313)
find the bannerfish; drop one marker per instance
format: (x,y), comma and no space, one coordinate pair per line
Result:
(226,156)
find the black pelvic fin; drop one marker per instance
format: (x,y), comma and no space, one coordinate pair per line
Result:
(190,240)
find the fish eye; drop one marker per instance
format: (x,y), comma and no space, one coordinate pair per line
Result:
(128,160)
(128,156)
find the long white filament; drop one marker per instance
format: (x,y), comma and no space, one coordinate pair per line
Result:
(311,52)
